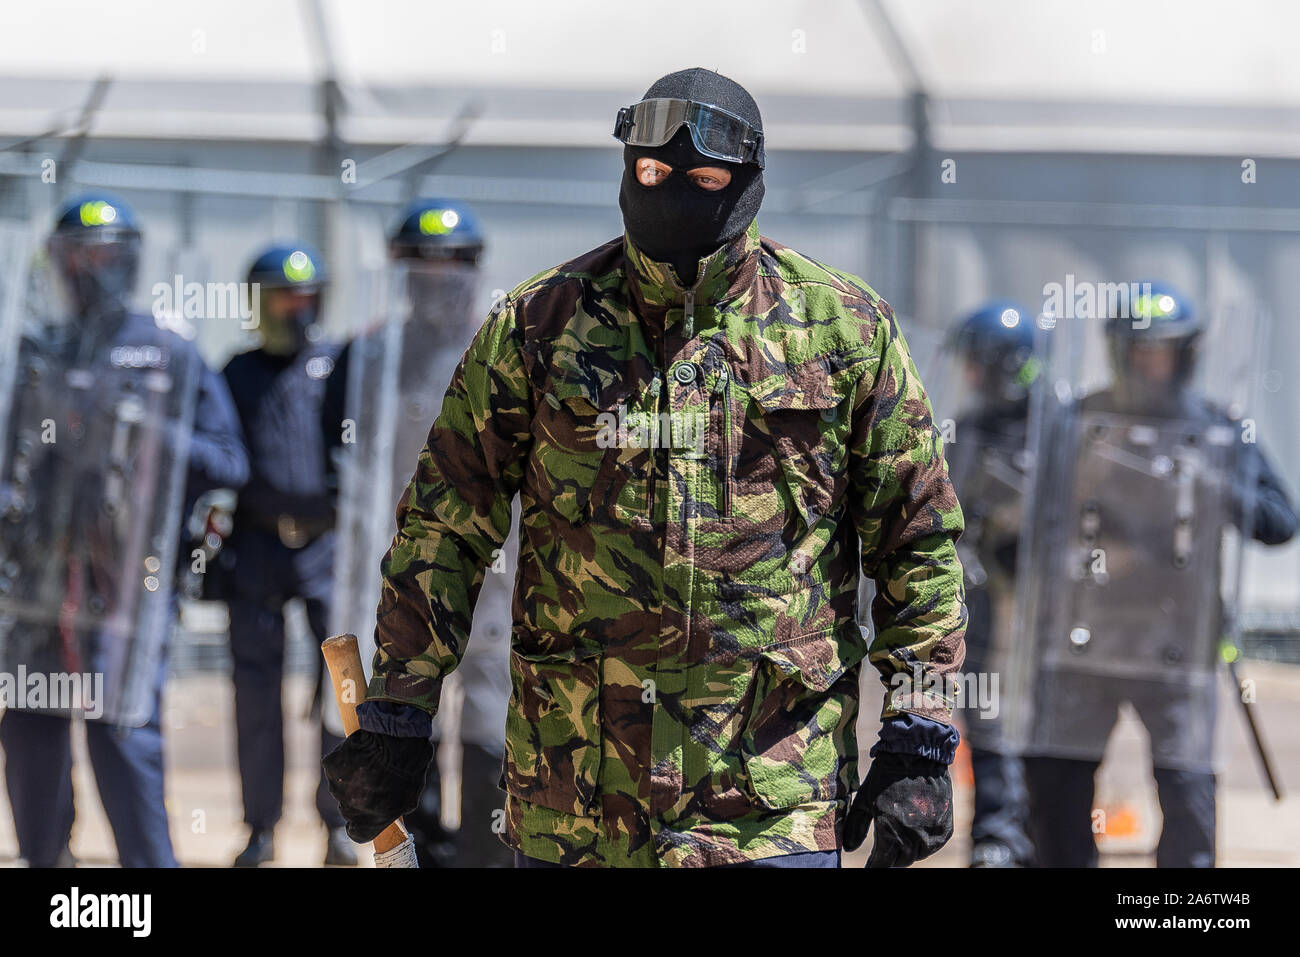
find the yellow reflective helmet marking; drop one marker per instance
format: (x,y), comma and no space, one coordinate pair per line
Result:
(98,213)
(298,267)
(438,222)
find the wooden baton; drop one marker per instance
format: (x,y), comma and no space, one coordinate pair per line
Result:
(344,663)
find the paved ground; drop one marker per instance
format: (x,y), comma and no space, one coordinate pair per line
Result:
(203,788)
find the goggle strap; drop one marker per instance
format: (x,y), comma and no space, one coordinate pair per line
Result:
(623,123)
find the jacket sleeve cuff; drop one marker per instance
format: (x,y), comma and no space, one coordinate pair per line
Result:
(399,687)
(395,720)
(922,737)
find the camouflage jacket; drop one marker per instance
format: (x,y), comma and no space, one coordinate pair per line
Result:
(699,472)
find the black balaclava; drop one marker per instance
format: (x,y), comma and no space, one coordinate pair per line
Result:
(676,221)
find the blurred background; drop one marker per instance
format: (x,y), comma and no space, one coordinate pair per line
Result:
(946,151)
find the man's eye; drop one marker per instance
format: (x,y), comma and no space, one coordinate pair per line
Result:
(711,179)
(650,173)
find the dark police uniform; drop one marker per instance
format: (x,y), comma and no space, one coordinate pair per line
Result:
(282,547)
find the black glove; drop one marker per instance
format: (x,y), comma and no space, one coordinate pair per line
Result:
(910,799)
(376,778)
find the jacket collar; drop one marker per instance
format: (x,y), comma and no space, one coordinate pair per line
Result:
(723,275)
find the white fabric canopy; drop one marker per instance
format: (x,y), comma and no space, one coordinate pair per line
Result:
(1196,76)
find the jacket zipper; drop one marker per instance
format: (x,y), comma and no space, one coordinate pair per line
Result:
(723,389)
(656,388)
(688,322)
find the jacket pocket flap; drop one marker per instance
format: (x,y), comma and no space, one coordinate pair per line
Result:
(590,392)
(783,393)
(817,660)
(815,384)
(552,646)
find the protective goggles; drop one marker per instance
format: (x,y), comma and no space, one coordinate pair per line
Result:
(715,132)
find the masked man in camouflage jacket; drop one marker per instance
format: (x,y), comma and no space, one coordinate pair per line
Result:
(707,431)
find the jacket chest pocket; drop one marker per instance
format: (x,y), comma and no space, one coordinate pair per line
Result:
(571,457)
(800,744)
(797,440)
(589,456)
(553,730)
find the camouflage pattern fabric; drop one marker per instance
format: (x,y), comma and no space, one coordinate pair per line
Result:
(699,473)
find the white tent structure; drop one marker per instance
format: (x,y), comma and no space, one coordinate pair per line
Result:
(1196,77)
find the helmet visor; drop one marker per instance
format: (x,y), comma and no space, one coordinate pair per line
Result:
(442,294)
(96,268)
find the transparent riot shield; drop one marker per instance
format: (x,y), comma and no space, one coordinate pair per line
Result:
(366,465)
(18,247)
(421,319)
(981,412)
(1141,499)
(96,441)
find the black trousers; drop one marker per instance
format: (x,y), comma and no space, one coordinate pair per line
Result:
(1060,814)
(1001,805)
(266,574)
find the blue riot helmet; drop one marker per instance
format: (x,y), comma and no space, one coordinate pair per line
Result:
(95,247)
(996,341)
(290,279)
(1154,334)
(438,242)
(436,229)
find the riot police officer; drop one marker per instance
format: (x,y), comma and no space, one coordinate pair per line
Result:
(282,543)
(1134,492)
(434,253)
(987,463)
(113,419)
